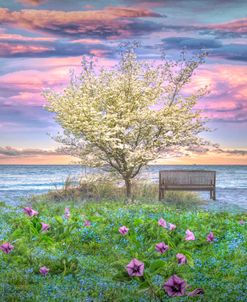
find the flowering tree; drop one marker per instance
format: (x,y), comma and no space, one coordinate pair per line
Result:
(124,117)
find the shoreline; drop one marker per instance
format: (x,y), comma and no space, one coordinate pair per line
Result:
(18,181)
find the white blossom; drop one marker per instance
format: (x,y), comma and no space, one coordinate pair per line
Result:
(126,116)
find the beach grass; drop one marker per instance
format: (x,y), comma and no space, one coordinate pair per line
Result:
(88,262)
(101,188)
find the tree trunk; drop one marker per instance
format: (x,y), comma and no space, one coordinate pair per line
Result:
(128,189)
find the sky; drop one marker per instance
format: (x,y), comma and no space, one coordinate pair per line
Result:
(41,41)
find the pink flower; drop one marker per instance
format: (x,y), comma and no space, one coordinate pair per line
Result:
(189,235)
(123,230)
(30,212)
(162,223)
(210,237)
(6,247)
(87,223)
(44,270)
(175,286)
(135,268)
(67,213)
(45,227)
(181,258)
(172,227)
(241,222)
(161,247)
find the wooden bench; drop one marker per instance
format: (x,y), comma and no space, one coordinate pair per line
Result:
(187,180)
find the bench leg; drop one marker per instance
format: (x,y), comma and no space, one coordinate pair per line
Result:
(214,195)
(161,194)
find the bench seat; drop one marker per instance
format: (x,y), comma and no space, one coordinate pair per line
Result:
(187,187)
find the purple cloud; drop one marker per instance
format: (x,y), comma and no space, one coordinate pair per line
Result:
(14,152)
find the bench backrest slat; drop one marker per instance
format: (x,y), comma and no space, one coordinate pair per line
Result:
(187,177)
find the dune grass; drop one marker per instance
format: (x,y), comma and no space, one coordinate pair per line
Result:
(88,263)
(100,188)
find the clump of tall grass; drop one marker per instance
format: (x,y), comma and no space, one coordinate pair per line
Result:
(100,187)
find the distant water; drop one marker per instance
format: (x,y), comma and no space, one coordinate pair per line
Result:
(20,181)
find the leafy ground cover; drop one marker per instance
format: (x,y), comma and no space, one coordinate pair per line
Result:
(87,255)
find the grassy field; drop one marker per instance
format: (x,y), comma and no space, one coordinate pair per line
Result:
(88,262)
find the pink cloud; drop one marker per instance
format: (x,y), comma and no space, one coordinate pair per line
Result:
(108,21)
(87,41)
(15,37)
(14,152)
(34,80)
(227,84)
(227,100)
(24,87)
(14,49)
(32,2)
(25,99)
(49,65)
(237,26)
(98,53)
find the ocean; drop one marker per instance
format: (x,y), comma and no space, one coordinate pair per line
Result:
(20,181)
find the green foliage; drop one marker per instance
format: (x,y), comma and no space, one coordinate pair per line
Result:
(88,263)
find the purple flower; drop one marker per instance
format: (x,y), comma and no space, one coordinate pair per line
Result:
(6,247)
(189,235)
(161,247)
(172,227)
(162,223)
(30,212)
(135,268)
(196,292)
(241,222)
(67,213)
(45,227)
(87,223)
(44,270)
(175,286)
(181,258)
(123,230)
(210,237)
